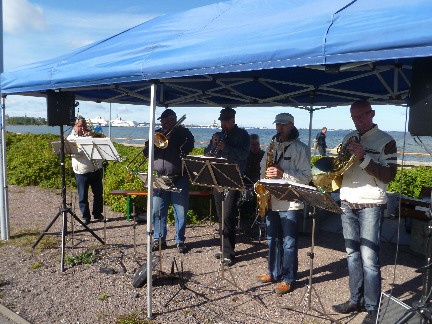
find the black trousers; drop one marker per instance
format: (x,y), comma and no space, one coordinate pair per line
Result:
(230,216)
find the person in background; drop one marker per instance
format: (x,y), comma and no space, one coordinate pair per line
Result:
(98,129)
(363,200)
(320,141)
(88,173)
(168,162)
(254,159)
(233,145)
(212,144)
(291,161)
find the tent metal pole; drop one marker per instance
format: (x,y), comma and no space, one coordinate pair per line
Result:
(150,198)
(4,215)
(109,124)
(311,111)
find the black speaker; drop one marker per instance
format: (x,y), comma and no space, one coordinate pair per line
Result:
(61,108)
(391,311)
(420,113)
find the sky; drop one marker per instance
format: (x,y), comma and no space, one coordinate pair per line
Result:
(36,30)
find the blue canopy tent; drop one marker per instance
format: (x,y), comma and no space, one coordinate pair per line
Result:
(309,54)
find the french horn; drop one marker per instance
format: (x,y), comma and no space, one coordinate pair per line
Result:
(327,172)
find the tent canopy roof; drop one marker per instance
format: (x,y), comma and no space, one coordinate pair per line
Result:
(248,53)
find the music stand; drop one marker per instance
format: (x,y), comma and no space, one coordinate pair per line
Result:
(216,173)
(99,149)
(286,190)
(64,210)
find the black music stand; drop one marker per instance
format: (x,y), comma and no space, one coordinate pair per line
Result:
(64,209)
(97,149)
(289,191)
(220,175)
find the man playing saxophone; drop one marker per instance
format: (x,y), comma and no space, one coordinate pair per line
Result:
(233,144)
(167,162)
(290,159)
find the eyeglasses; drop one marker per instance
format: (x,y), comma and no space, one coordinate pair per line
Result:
(362,115)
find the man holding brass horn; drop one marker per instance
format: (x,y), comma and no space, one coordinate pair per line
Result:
(363,200)
(176,141)
(232,144)
(88,173)
(286,158)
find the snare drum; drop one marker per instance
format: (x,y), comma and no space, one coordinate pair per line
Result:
(247,195)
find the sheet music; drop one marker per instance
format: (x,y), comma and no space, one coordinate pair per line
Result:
(161,182)
(69,147)
(98,148)
(287,182)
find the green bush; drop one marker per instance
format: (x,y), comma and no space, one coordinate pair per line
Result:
(31,162)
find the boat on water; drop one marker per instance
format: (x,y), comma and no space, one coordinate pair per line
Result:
(214,125)
(119,122)
(98,120)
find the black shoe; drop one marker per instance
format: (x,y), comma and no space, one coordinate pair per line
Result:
(86,221)
(156,246)
(218,255)
(182,248)
(371,317)
(99,218)
(347,308)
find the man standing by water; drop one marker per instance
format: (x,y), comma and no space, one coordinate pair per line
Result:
(320,141)
(363,200)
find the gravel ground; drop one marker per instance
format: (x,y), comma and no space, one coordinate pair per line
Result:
(33,286)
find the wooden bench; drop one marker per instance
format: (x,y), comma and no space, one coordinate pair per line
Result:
(129,194)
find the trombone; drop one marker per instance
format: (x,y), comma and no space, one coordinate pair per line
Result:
(161,140)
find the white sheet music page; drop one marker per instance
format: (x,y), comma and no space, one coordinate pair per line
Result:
(286,182)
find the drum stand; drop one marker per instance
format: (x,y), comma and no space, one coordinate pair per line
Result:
(260,222)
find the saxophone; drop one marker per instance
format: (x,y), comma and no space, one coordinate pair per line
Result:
(263,196)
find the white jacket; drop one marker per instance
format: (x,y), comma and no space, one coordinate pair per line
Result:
(295,162)
(81,164)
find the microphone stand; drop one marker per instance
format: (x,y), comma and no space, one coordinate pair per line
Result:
(421,307)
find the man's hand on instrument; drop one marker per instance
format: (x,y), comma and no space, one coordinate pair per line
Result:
(274,172)
(357,149)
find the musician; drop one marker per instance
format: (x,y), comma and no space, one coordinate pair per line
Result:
(167,162)
(291,161)
(212,144)
(233,144)
(88,173)
(363,200)
(254,159)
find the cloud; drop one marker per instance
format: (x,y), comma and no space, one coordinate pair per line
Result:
(21,15)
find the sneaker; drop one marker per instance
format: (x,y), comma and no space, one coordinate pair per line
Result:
(86,221)
(182,248)
(283,288)
(265,279)
(371,317)
(347,308)
(156,246)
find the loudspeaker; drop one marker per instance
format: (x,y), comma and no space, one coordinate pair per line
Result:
(420,113)
(61,108)
(391,310)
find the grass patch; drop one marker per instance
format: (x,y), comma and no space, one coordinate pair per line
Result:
(86,257)
(36,265)
(103,297)
(133,318)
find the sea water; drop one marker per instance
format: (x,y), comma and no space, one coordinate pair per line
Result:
(414,149)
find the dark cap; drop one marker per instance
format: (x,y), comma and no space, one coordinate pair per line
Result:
(167,113)
(227,114)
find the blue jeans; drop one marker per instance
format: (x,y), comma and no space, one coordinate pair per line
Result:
(83,182)
(361,230)
(282,242)
(180,202)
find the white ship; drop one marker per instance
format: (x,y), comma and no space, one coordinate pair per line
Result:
(215,125)
(119,122)
(98,120)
